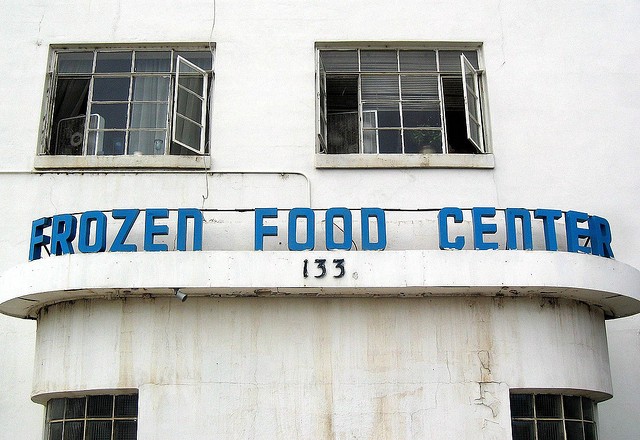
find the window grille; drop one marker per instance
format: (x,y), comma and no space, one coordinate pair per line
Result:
(552,417)
(101,417)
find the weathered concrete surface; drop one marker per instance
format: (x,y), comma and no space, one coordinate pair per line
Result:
(322,368)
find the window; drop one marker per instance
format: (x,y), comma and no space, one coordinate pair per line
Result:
(413,101)
(552,417)
(117,102)
(104,417)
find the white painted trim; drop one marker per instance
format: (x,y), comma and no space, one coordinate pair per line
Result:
(404,161)
(44,162)
(605,283)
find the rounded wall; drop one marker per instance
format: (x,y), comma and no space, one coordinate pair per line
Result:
(320,368)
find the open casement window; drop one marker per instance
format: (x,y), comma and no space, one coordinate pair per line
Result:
(322,99)
(190,106)
(399,101)
(472,113)
(127,102)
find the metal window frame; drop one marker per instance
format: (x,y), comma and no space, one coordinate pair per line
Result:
(472,98)
(45,145)
(321,106)
(203,98)
(438,73)
(85,418)
(562,418)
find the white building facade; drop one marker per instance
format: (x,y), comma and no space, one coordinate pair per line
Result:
(322,220)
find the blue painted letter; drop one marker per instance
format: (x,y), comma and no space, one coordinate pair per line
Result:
(480,229)
(345,215)
(38,239)
(260,230)
(443,232)
(511,214)
(378,214)
(151,229)
(600,237)
(574,233)
(63,231)
(183,215)
(100,221)
(129,216)
(294,215)
(548,217)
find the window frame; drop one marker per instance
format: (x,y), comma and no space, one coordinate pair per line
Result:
(64,418)
(561,418)
(43,160)
(483,159)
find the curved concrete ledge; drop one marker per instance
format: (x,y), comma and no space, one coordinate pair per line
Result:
(605,283)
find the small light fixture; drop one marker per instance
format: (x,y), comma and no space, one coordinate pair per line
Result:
(180,295)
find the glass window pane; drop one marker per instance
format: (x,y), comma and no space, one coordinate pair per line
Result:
(55,430)
(99,406)
(126,405)
(147,142)
(370,140)
(67,125)
(381,115)
(148,115)
(523,430)
(125,430)
(472,107)
(521,405)
(418,114)
(73,430)
(590,431)
(109,62)
(201,58)
(75,408)
(550,430)
(422,141)
(95,138)
(573,430)
(153,61)
(475,132)
(96,122)
(113,115)
(380,87)
(342,133)
(109,143)
(378,61)
(187,132)
(417,60)
(189,106)
(75,62)
(192,81)
(419,87)
(390,141)
(450,59)
(469,79)
(111,89)
(55,409)
(342,94)
(339,60)
(151,88)
(99,429)
(572,407)
(548,405)
(587,408)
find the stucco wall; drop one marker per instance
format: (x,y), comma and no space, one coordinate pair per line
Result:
(562,104)
(322,368)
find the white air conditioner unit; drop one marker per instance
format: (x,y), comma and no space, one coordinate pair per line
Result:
(70,135)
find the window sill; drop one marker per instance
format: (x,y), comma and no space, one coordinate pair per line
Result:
(115,162)
(480,161)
